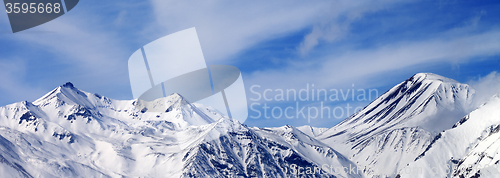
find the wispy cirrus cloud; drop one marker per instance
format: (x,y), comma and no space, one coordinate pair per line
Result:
(358,65)
(336,22)
(228,28)
(85,46)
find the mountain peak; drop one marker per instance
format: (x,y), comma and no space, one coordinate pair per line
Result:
(178,97)
(432,77)
(67,93)
(68,85)
(175,102)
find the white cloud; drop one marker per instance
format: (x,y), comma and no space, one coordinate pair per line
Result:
(336,23)
(319,33)
(76,43)
(356,66)
(226,28)
(474,21)
(83,46)
(485,87)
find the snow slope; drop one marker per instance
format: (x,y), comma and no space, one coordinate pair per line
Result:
(469,148)
(398,126)
(312,131)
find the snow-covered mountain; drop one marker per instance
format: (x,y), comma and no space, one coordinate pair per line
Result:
(469,149)
(398,126)
(72,133)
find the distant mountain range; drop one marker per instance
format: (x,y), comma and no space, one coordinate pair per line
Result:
(426,126)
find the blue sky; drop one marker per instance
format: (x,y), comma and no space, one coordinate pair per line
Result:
(277,45)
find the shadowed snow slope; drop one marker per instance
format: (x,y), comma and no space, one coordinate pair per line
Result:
(469,149)
(395,128)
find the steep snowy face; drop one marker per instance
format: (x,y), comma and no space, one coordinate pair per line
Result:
(468,149)
(266,152)
(419,101)
(395,128)
(483,159)
(72,133)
